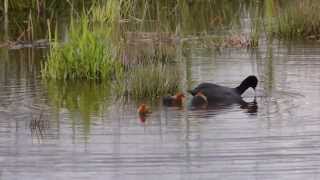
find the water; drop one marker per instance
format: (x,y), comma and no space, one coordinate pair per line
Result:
(52,131)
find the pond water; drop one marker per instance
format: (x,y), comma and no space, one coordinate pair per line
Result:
(52,131)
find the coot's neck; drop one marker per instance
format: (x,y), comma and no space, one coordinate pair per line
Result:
(250,81)
(242,88)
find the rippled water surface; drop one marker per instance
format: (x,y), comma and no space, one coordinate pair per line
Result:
(53,131)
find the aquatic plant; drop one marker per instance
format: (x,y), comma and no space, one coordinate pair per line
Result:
(43,6)
(256,21)
(149,81)
(86,55)
(298,20)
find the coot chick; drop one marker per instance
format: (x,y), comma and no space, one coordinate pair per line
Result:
(217,94)
(143,110)
(199,100)
(175,100)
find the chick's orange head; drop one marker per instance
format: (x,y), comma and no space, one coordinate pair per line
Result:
(179,96)
(143,109)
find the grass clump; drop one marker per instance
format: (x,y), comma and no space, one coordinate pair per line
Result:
(86,55)
(150,81)
(299,20)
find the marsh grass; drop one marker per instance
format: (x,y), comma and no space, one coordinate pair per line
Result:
(86,55)
(256,21)
(26,17)
(46,7)
(148,48)
(149,81)
(298,20)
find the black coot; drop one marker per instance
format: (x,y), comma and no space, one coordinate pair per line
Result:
(217,94)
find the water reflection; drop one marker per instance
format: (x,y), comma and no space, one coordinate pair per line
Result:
(38,127)
(82,100)
(251,107)
(198,102)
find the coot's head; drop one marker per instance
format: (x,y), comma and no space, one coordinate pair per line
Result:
(250,81)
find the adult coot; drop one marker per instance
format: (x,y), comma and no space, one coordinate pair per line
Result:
(217,94)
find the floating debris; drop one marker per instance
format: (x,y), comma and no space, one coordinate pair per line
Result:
(41,43)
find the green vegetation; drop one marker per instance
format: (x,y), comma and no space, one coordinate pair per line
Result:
(46,7)
(28,19)
(298,20)
(91,52)
(256,24)
(150,81)
(86,55)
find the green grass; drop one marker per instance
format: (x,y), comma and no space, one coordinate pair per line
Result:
(49,7)
(86,55)
(298,20)
(256,21)
(150,81)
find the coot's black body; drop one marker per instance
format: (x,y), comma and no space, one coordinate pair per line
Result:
(217,94)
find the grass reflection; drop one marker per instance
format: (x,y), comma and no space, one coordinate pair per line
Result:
(79,98)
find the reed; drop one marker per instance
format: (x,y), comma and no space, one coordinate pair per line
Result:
(86,55)
(256,21)
(298,20)
(50,7)
(150,81)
